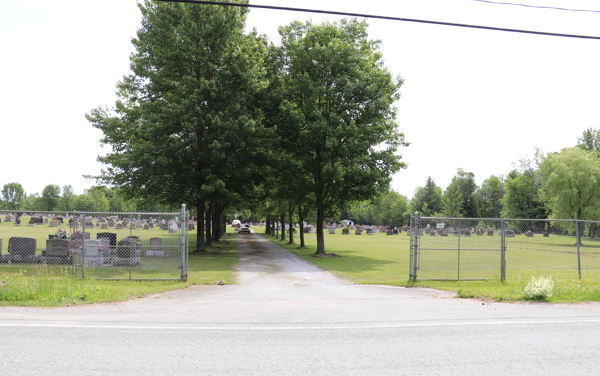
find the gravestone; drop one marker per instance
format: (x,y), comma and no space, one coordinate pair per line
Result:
(395,232)
(151,225)
(172,228)
(110,236)
(155,250)
(92,253)
(104,226)
(358,231)
(432,233)
(22,246)
(529,234)
(57,252)
(132,226)
(546,235)
(331,230)
(45,220)
(126,253)
(371,231)
(191,227)
(8,218)
(389,232)
(146,226)
(110,222)
(509,234)
(53,223)
(119,226)
(306,230)
(345,231)
(490,232)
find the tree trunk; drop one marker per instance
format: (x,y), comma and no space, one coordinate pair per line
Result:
(291,229)
(215,223)
(282,220)
(320,236)
(208,226)
(301,215)
(200,246)
(275,226)
(268,225)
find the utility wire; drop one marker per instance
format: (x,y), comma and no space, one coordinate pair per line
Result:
(338,13)
(539,6)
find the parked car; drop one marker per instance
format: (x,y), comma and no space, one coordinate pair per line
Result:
(245,228)
(236,223)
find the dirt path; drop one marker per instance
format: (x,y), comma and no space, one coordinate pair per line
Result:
(264,263)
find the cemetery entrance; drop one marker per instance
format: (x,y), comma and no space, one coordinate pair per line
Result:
(98,245)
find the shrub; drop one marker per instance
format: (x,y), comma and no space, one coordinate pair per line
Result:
(539,289)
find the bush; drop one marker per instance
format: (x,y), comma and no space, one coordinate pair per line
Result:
(539,289)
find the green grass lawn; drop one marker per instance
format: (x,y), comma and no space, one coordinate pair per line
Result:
(51,285)
(382,259)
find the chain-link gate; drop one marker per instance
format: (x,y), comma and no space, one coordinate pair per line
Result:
(98,245)
(456,249)
(499,248)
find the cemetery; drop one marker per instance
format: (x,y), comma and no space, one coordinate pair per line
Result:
(106,247)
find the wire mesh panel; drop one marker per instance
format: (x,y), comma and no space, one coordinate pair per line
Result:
(513,249)
(97,245)
(459,249)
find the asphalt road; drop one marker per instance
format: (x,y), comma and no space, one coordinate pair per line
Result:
(287,317)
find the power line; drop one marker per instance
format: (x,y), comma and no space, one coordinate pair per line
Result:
(339,13)
(539,6)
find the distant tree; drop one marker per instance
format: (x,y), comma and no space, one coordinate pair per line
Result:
(489,197)
(392,208)
(13,194)
(464,182)
(67,201)
(590,140)
(570,184)
(428,199)
(521,199)
(452,202)
(51,197)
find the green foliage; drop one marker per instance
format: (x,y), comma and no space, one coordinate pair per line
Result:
(464,182)
(590,140)
(452,202)
(13,194)
(570,181)
(428,199)
(340,120)
(387,211)
(50,197)
(489,197)
(521,199)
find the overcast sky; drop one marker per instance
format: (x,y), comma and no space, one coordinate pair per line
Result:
(472,99)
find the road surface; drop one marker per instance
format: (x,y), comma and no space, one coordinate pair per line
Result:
(287,317)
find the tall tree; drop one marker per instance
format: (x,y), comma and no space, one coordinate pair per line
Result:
(590,140)
(489,197)
(185,125)
(67,201)
(428,199)
(465,184)
(339,113)
(452,202)
(570,181)
(51,197)
(13,194)
(521,199)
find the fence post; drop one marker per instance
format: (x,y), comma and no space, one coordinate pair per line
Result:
(578,242)
(415,246)
(182,244)
(82,246)
(502,253)
(458,251)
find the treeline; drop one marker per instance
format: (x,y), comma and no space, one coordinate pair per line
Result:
(55,198)
(561,185)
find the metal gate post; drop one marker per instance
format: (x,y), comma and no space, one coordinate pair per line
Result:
(458,252)
(415,246)
(182,244)
(578,242)
(502,253)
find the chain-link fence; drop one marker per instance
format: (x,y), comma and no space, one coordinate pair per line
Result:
(98,245)
(513,249)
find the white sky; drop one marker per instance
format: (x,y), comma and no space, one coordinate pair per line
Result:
(472,99)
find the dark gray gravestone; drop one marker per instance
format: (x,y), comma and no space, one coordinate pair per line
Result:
(57,248)
(345,231)
(126,248)
(22,246)
(111,236)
